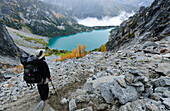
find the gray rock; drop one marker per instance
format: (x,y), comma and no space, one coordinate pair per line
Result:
(114,108)
(160,89)
(8,76)
(138,84)
(106,93)
(125,107)
(121,82)
(51,109)
(148,91)
(116,71)
(102,107)
(94,77)
(163,68)
(14,98)
(155,96)
(133,106)
(109,71)
(135,72)
(92,85)
(91,71)
(99,74)
(16,91)
(124,95)
(145,80)
(162,108)
(166,102)
(152,107)
(140,89)
(167,56)
(81,99)
(129,78)
(139,78)
(2,94)
(40,106)
(88,87)
(72,105)
(161,82)
(85,109)
(64,101)
(148,43)
(151,51)
(166,94)
(2,108)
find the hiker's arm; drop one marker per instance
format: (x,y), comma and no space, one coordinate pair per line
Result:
(45,70)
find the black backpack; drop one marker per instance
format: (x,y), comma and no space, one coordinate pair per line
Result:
(31,73)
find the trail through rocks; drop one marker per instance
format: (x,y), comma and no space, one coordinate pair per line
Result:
(99,82)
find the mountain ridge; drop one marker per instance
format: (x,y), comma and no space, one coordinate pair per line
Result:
(133,75)
(150,23)
(38,17)
(96,8)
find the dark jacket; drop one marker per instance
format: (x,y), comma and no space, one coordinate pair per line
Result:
(43,68)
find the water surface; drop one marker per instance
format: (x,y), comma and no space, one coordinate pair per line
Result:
(92,40)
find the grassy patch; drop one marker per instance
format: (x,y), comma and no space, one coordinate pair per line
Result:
(30,39)
(22,44)
(63,54)
(28,28)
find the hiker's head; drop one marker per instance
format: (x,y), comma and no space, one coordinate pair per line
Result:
(40,53)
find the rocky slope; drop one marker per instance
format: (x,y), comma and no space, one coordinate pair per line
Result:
(130,79)
(26,41)
(149,24)
(97,8)
(38,18)
(125,81)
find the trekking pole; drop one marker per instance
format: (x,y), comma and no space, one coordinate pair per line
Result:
(53,87)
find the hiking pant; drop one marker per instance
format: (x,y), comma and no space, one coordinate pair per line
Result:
(43,91)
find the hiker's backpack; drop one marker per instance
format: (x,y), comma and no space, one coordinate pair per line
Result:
(31,73)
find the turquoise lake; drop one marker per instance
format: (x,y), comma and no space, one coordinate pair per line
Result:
(92,40)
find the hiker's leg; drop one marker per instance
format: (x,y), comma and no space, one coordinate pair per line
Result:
(28,85)
(43,91)
(31,86)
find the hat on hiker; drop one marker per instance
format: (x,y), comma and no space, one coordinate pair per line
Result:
(40,53)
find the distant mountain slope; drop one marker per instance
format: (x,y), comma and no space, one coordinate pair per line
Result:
(149,24)
(97,8)
(136,2)
(38,17)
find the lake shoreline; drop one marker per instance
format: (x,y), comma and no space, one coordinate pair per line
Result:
(84,38)
(92,29)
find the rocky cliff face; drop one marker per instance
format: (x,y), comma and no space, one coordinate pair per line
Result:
(149,24)
(7,45)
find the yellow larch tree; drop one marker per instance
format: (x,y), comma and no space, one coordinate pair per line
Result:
(78,52)
(103,48)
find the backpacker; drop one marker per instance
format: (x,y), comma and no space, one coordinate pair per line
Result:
(31,73)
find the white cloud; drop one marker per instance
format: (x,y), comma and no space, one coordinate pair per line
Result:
(105,21)
(141,4)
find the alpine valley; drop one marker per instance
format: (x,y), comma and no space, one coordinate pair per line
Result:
(131,72)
